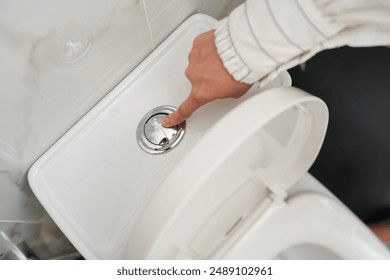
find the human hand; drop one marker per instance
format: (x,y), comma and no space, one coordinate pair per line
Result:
(209,80)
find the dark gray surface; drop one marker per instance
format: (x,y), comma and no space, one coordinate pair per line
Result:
(354,162)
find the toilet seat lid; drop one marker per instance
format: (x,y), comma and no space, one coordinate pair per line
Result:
(242,166)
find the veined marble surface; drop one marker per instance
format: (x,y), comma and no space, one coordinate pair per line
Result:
(53,73)
(59,58)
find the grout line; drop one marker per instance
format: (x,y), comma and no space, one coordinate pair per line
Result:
(69,256)
(19,222)
(148,21)
(162,11)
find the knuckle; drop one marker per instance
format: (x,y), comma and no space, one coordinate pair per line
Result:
(193,55)
(190,56)
(187,72)
(191,74)
(197,40)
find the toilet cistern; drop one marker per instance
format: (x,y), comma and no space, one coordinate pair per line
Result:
(153,137)
(238,162)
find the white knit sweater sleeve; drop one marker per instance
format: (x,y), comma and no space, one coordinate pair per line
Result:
(261,38)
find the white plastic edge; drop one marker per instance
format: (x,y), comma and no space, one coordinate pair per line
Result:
(209,153)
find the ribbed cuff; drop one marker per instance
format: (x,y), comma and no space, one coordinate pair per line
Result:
(230,58)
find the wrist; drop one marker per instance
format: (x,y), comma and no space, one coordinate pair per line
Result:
(230,57)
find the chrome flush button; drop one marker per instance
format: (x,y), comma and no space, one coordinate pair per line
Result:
(152,137)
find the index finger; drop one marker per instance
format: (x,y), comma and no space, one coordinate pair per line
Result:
(185,110)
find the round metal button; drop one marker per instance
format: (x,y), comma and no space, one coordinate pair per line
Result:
(156,133)
(152,137)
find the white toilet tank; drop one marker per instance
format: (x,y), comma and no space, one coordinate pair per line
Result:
(219,178)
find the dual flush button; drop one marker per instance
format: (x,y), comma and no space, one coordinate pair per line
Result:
(152,137)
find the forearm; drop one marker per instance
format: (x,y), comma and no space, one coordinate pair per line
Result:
(263,37)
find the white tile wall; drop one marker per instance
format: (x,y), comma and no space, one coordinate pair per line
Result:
(165,15)
(154,8)
(59,58)
(167,20)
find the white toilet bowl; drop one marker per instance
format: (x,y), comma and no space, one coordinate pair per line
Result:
(235,187)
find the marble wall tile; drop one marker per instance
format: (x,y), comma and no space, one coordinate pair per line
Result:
(53,73)
(164,19)
(217,9)
(154,8)
(168,19)
(15,202)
